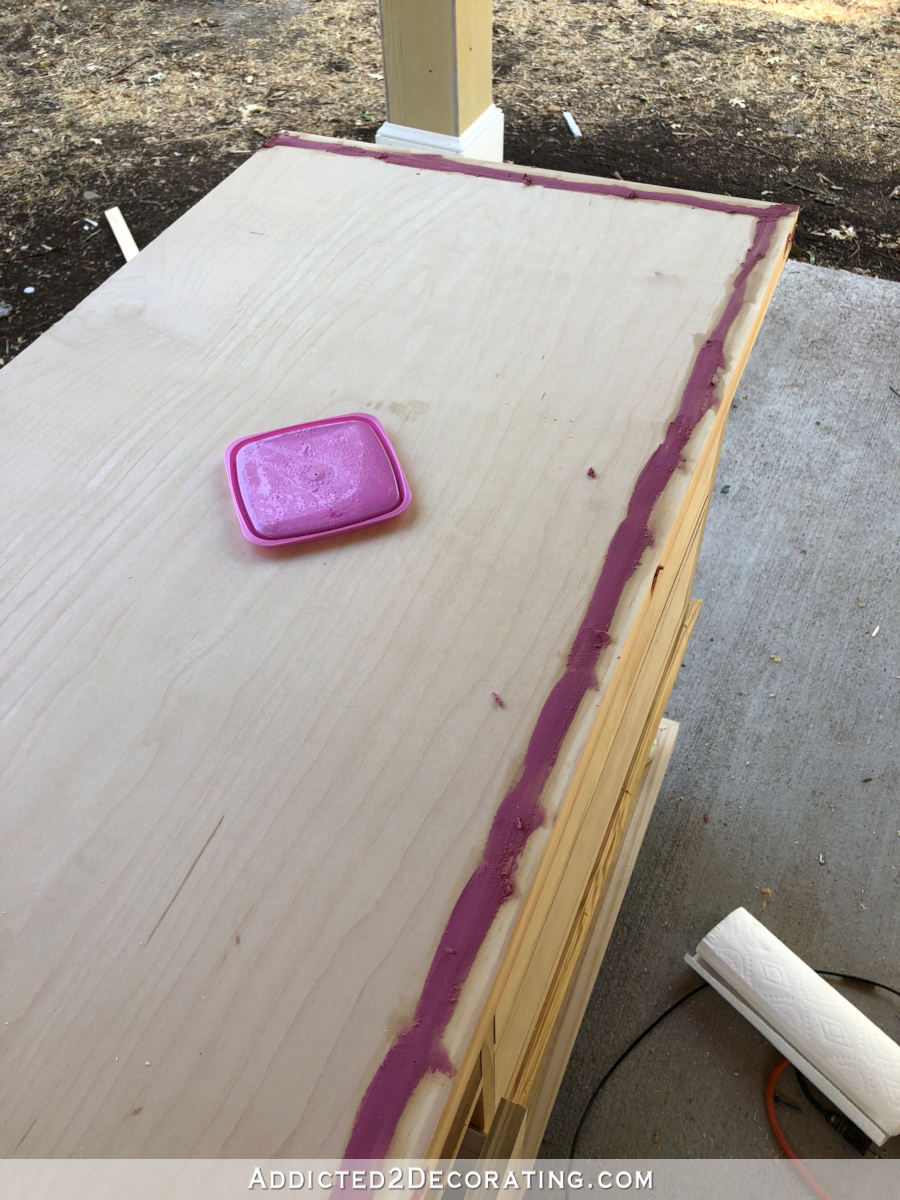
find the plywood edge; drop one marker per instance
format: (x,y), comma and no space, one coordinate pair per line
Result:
(740,338)
(758,295)
(581,986)
(625,189)
(570,815)
(577,824)
(558,1023)
(638,634)
(568,820)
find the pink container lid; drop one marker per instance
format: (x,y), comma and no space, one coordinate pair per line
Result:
(315,480)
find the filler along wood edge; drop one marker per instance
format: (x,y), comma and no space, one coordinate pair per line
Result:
(418,1050)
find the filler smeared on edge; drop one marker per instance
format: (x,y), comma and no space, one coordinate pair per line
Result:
(418,1050)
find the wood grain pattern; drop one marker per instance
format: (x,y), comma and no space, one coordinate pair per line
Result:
(244,787)
(420,68)
(474,60)
(437,62)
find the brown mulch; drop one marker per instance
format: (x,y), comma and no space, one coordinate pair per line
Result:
(148,104)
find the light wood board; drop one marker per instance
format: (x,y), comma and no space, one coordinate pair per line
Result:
(242,789)
(437,62)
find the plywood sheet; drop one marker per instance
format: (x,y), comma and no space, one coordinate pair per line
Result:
(243,790)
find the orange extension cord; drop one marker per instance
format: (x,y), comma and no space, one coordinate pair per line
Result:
(782,1140)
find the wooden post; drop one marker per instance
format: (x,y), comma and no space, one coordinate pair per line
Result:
(437,74)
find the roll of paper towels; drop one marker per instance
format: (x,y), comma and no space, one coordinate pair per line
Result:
(814,1024)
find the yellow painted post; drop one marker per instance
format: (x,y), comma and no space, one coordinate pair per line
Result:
(437,74)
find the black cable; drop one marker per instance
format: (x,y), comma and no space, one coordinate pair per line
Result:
(637,1041)
(862,979)
(806,1088)
(841,1124)
(873,983)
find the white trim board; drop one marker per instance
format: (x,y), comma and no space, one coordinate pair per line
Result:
(483,139)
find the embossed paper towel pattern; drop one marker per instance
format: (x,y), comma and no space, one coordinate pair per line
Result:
(860,1059)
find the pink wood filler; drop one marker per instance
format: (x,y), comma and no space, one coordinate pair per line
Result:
(418,1050)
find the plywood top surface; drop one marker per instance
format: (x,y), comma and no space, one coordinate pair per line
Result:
(244,789)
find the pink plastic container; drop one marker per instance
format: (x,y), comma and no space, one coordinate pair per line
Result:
(315,480)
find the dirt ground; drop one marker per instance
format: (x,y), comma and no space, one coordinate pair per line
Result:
(148,104)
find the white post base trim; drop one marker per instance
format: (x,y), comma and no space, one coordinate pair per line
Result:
(483,139)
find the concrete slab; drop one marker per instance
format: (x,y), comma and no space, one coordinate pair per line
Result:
(785,776)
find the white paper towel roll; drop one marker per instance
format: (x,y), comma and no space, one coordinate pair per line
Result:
(821,1026)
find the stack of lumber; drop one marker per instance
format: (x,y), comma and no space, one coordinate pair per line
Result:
(315,850)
